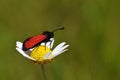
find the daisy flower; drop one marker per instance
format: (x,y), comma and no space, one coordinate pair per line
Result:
(44,52)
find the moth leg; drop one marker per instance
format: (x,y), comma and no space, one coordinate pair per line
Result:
(45,45)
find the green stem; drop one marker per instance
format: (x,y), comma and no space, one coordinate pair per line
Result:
(43,71)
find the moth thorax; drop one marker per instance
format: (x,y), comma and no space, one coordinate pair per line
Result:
(48,34)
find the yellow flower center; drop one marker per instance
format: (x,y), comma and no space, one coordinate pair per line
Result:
(38,54)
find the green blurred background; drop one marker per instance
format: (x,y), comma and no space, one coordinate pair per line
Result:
(92,28)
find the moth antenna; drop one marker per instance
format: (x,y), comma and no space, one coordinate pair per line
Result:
(61,28)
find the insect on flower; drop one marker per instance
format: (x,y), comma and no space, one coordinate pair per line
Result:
(42,53)
(36,40)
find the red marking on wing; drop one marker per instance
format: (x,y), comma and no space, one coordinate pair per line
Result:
(34,41)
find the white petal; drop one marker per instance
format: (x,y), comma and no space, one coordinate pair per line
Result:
(58,53)
(48,44)
(63,48)
(55,51)
(30,49)
(47,56)
(62,52)
(19,44)
(24,54)
(53,56)
(53,40)
(43,44)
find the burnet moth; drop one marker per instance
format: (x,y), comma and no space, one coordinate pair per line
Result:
(36,40)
